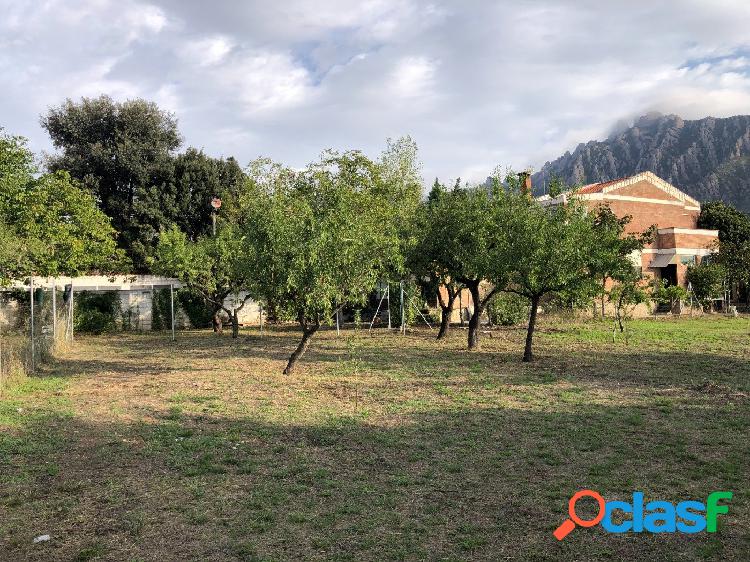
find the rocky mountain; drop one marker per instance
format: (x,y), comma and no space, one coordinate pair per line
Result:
(708,158)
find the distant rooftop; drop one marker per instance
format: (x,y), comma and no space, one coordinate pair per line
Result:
(607,186)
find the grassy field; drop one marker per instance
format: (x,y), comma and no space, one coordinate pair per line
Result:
(383,447)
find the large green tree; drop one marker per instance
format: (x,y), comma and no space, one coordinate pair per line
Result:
(471,228)
(196,179)
(318,239)
(50,225)
(123,154)
(734,239)
(553,250)
(210,266)
(430,255)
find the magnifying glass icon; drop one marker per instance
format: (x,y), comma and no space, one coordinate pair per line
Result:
(569,524)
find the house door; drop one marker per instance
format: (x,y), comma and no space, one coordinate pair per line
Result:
(669,274)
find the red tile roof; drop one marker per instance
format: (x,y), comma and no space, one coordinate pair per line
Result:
(598,187)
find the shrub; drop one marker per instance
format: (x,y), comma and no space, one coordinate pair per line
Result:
(161,310)
(198,311)
(668,294)
(96,313)
(707,281)
(508,309)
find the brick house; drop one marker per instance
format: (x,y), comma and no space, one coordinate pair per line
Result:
(650,200)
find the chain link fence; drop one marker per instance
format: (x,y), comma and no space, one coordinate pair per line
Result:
(34,321)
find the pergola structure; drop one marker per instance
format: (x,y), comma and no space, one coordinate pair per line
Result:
(121,282)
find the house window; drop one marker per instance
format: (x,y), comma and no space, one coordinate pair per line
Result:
(687,260)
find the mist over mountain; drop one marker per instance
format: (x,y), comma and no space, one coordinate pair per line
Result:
(707,158)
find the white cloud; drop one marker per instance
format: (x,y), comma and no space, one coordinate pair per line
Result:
(474,83)
(207,51)
(413,77)
(265,81)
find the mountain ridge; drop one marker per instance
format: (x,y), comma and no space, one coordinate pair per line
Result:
(709,158)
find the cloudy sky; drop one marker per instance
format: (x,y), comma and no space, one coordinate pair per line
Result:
(475,83)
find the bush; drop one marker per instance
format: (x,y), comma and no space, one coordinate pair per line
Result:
(161,310)
(668,294)
(96,313)
(707,281)
(195,306)
(508,309)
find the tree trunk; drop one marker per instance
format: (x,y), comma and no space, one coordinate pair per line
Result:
(445,323)
(235,325)
(445,312)
(307,333)
(473,287)
(216,323)
(527,355)
(604,295)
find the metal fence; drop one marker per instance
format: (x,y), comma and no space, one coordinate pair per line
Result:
(33,322)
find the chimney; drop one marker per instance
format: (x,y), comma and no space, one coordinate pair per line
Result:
(524,180)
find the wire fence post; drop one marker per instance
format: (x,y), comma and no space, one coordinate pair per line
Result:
(54,312)
(31,293)
(388,296)
(70,311)
(403,323)
(260,306)
(171,306)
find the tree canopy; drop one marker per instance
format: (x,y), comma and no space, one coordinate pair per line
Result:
(558,249)
(50,225)
(734,238)
(211,266)
(318,239)
(121,152)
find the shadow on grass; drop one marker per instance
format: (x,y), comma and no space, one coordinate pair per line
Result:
(418,356)
(465,483)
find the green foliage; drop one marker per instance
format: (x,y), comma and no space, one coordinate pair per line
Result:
(96,313)
(664,293)
(552,250)
(508,309)
(412,301)
(161,310)
(197,178)
(212,266)
(734,238)
(319,238)
(195,307)
(401,186)
(122,154)
(49,225)
(628,291)
(733,225)
(707,281)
